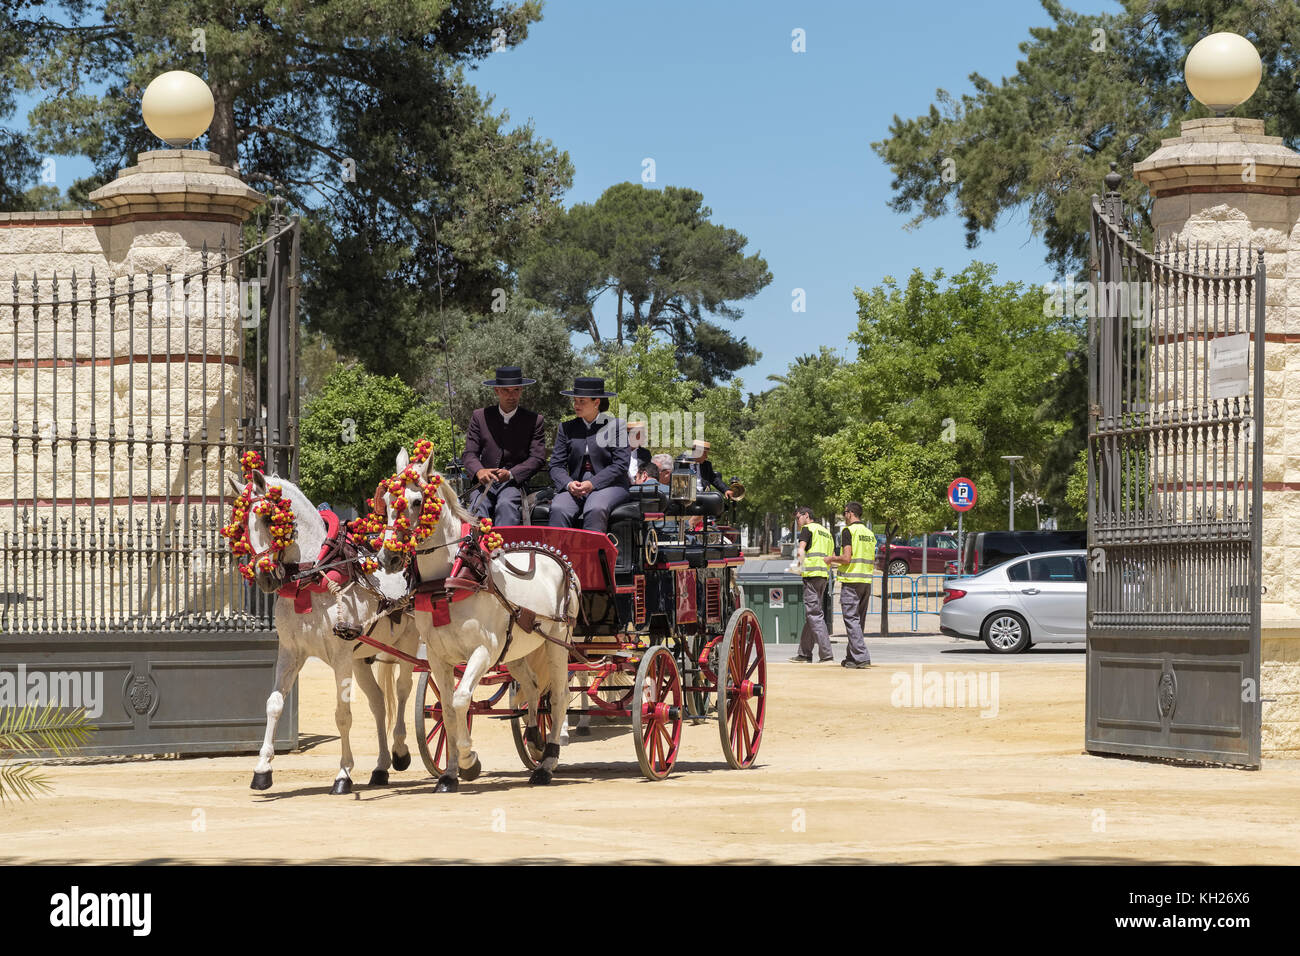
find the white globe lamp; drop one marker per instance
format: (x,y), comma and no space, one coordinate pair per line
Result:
(1223,71)
(177,107)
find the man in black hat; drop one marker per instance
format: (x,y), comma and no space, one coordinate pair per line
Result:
(589,464)
(504,447)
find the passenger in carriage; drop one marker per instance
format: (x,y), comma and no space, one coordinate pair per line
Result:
(589,464)
(504,447)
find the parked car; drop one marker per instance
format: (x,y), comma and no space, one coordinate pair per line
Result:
(1032,600)
(905,557)
(987,549)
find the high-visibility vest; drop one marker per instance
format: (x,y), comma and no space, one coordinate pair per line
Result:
(862,556)
(814,559)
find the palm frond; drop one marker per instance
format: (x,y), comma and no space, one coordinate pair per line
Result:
(23,781)
(34,730)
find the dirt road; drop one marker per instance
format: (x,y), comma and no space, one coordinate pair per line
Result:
(848,771)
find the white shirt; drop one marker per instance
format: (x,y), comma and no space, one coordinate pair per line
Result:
(506,416)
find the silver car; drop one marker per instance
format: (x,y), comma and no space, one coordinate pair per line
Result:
(1036,599)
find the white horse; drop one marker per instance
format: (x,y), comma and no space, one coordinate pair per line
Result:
(312,635)
(481,634)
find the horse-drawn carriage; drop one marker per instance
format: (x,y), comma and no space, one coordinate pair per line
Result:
(659,608)
(641,625)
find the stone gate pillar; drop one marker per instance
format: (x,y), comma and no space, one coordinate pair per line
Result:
(1224,181)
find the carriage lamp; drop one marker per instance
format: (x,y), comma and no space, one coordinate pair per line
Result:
(177,107)
(681,483)
(1222,71)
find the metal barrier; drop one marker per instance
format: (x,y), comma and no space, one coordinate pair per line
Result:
(910,594)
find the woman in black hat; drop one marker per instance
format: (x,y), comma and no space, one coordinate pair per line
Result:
(590,461)
(504,446)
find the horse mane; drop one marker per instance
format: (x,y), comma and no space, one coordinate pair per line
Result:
(453,500)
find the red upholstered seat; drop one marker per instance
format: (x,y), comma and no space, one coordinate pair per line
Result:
(586,550)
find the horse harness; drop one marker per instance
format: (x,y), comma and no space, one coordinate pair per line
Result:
(469,576)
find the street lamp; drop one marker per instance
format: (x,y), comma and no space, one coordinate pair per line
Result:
(177,107)
(1011,501)
(1222,71)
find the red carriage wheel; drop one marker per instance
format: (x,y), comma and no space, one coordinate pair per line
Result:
(530,755)
(430,732)
(742,685)
(657,713)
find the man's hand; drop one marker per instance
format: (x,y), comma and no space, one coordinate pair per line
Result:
(585,488)
(500,474)
(483,476)
(575,488)
(729,493)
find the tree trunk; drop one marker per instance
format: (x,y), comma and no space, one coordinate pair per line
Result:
(223,138)
(619,320)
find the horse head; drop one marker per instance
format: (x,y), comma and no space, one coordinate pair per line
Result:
(274,524)
(412,503)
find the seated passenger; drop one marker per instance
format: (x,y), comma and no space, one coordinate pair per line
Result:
(639,469)
(589,465)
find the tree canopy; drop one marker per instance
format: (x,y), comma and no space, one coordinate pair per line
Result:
(1089,90)
(669,268)
(359,114)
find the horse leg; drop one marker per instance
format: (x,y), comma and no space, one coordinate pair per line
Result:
(559,680)
(443,676)
(468,763)
(343,679)
(401,750)
(363,675)
(287,664)
(524,673)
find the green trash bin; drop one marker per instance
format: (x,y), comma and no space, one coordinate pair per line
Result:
(775,595)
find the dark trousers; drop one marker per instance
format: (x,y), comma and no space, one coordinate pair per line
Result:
(591,512)
(814,619)
(854,599)
(503,504)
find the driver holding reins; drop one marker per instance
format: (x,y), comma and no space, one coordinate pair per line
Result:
(504,447)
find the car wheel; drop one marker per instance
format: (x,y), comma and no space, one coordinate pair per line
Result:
(897,567)
(1006,633)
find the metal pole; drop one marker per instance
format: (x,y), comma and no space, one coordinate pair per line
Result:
(961,550)
(1011,501)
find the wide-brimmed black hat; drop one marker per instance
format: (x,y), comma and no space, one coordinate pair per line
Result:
(588,388)
(510,376)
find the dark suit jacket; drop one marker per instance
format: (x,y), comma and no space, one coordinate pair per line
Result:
(575,439)
(519,445)
(711,477)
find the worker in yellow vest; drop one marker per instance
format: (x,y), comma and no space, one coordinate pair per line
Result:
(815,546)
(856,560)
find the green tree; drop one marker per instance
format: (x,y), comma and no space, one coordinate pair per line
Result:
(360,114)
(777,459)
(1089,90)
(353,429)
(972,364)
(35,731)
(902,485)
(668,266)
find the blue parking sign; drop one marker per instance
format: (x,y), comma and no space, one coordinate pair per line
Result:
(961,494)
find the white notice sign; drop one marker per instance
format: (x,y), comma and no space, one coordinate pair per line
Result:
(1229,365)
(776,597)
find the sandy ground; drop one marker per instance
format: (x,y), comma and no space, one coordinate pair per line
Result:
(844,775)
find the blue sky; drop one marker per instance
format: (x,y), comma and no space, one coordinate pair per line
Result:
(777,141)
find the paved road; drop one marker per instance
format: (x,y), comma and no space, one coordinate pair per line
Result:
(928,649)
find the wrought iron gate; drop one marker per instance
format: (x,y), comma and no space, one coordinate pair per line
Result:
(132,399)
(1175,465)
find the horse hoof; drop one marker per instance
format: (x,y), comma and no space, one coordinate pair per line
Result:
(582,730)
(472,772)
(447,784)
(261,780)
(541,777)
(378,778)
(401,761)
(342,785)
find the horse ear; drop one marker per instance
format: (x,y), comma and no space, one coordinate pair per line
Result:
(236,483)
(259,482)
(403,459)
